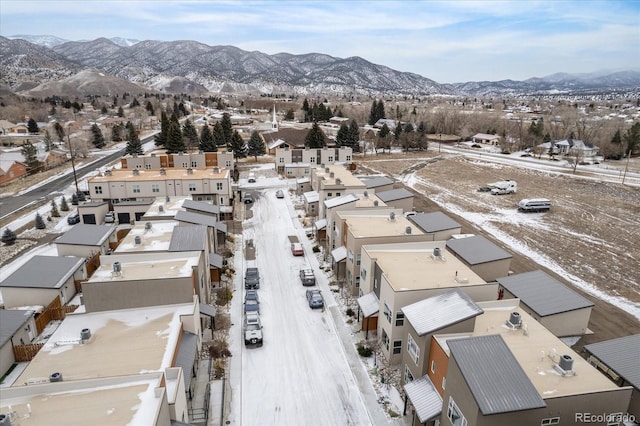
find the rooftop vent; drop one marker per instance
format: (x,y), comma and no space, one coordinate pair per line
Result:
(375,203)
(168,199)
(163,171)
(147,225)
(216,170)
(85,334)
(189,171)
(137,241)
(117,267)
(407,230)
(565,366)
(436,252)
(338,181)
(332,174)
(161,208)
(514,320)
(136,172)
(5,420)
(153,154)
(366,194)
(55,377)
(107,172)
(392,216)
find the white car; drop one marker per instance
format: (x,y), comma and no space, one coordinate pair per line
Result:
(109,217)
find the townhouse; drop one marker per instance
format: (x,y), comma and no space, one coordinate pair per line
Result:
(297,162)
(333,181)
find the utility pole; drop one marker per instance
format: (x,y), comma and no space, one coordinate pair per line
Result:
(73,163)
(626,167)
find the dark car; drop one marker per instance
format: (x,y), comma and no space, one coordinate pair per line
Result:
(251,306)
(247,199)
(251,295)
(484,189)
(314,297)
(279,193)
(73,219)
(252,279)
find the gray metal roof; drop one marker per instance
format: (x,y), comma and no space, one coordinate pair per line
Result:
(437,312)
(11,321)
(434,222)
(207,310)
(369,304)
(476,250)
(187,356)
(339,254)
(376,181)
(86,235)
(44,272)
(543,293)
(215,260)
(394,194)
(622,355)
(424,397)
(495,378)
(188,238)
(200,206)
(200,219)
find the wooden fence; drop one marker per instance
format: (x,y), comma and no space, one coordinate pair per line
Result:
(24,353)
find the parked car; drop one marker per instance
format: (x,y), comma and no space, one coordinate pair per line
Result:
(307,277)
(279,193)
(251,306)
(109,217)
(314,297)
(252,278)
(252,178)
(251,295)
(296,249)
(252,329)
(73,219)
(248,198)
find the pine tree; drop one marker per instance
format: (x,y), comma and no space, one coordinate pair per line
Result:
(372,113)
(120,112)
(227,129)
(354,136)
(422,136)
(289,116)
(116,133)
(134,146)
(175,143)
(32,126)
(30,154)
(59,131)
(54,209)
(96,137)
(632,139)
(342,137)
(315,137)
(237,146)
(218,135)
(256,146)
(64,206)
(397,133)
(74,199)
(149,108)
(9,237)
(190,135)
(48,142)
(40,222)
(207,143)
(134,103)
(161,138)
(384,131)
(380,113)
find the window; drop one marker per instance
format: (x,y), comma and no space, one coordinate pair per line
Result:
(219,186)
(289,171)
(337,194)
(194,163)
(138,166)
(408,377)
(330,159)
(444,383)
(147,166)
(350,255)
(227,163)
(155,187)
(413,349)
(329,194)
(433,366)
(357,282)
(358,259)
(98,189)
(455,415)
(387,312)
(363,274)
(306,170)
(551,421)
(281,160)
(385,339)
(136,189)
(313,208)
(399,319)
(348,158)
(397,346)
(192,187)
(185,164)
(375,283)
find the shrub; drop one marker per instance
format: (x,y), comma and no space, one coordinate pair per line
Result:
(54,209)
(39,222)
(316,249)
(9,237)
(223,296)
(364,351)
(64,206)
(350,312)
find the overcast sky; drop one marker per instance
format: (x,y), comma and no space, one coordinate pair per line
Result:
(445,41)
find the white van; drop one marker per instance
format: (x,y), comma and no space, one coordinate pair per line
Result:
(534,205)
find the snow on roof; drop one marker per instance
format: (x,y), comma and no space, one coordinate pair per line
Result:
(339,201)
(424,397)
(156,237)
(339,254)
(369,304)
(321,224)
(147,266)
(311,197)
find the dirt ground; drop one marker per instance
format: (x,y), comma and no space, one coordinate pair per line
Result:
(592,230)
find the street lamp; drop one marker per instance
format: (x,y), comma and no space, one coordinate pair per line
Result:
(439,142)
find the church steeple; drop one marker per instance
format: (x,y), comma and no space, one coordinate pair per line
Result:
(274,122)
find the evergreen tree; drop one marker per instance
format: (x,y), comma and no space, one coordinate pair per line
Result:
(397,133)
(175,143)
(380,114)
(256,146)
(134,146)
(96,137)
(8,237)
(30,154)
(632,139)
(74,199)
(227,129)
(421,132)
(149,108)
(40,222)
(64,206)
(48,142)
(342,137)
(116,132)
(617,138)
(315,137)
(207,144)
(190,135)
(289,116)
(237,146)
(120,112)
(161,138)
(384,131)
(104,109)
(134,103)
(218,135)
(59,131)
(32,126)
(372,113)
(354,136)
(54,209)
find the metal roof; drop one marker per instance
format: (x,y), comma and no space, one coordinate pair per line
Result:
(424,397)
(86,235)
(321,224)
(434,222)
(11,321)
(311,196)
(199,206)
(207,310)
(437,312)
(200,219)
(215,260)
(339,254)
(394,194)
(187,356)
(188,238)
(369,304)
(622,355)
(495,378)
(477,249)
(543,293)
(376,181)
(338,201)
(44,272)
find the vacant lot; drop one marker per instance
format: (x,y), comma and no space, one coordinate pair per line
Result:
(590,239)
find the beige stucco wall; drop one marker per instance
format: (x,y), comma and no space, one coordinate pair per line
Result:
(491,271)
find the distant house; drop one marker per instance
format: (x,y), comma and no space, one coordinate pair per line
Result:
(391,124)
(486,138)
(570,147)
(87,240)
(6,126)
(11,170)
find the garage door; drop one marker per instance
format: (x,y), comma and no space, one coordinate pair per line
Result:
(89,219)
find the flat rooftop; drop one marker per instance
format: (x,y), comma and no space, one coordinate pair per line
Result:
(381,226)
(165,207)
(123,342)
(534,350)
(151,266)
(339,172)
(155,174)
(412,266)
(156,238)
